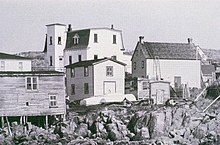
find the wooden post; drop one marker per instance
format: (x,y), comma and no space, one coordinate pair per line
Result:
(9,127)
(3,122)
(21,120)
(46,126)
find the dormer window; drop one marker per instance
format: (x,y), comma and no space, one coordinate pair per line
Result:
(76,39)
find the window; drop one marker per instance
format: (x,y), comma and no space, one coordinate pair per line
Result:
(114,39)
(79,57)
(95,38)
(51,40)
(76,39)
(70,59)
(2,65)
(134,65)
(72,89)
(59,40)
(86,88)
(95,56)
(20,65)
(145,85)
(86,71)
(136,52)
(51,61)
(53,101)
(142,64)
(32,83)
(72,72)
(109,71)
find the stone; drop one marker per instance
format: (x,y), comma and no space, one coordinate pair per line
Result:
(144,133)
(82,130)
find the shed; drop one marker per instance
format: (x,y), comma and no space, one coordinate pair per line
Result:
(160,91)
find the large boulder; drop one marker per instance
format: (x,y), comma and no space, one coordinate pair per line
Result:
(82,130)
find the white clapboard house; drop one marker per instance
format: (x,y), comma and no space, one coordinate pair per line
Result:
(177,63)
(95,77)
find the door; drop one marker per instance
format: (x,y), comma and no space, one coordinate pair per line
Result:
(109,87)
(160,95)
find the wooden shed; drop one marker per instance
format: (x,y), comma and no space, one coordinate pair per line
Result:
(160,91)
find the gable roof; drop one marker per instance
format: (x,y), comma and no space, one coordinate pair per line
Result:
(91,62)
(83,39)
(182,51)
(10,56)
(207,69)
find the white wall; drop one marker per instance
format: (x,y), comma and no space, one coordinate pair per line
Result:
(55,50)
(100,77)
(13,65)
(74,54)
(189,70)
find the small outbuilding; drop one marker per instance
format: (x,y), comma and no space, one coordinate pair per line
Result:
(159,91)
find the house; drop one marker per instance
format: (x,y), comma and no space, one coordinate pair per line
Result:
(30,96)
(64,47)
(177,63)
(96,77)
(10,62)
(208,74)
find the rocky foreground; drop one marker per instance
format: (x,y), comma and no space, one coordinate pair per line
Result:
(184,123)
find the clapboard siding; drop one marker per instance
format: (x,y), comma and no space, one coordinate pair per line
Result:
(13,95)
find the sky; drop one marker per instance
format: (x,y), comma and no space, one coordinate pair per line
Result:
(22,22)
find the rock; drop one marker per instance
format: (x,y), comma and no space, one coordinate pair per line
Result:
(144,133)
(113,132)
(82,130)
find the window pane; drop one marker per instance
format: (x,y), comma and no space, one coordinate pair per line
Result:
(29,86)
(28,80)
(34,86)
(35,80)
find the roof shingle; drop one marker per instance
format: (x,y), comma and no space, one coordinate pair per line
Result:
(10,56)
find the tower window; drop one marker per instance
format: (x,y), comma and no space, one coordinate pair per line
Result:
(59,40)
(51,61)
(114,39)
(95,38)
(70,59)
(51,40)
(79,58)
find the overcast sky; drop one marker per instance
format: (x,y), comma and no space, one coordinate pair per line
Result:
(22,22)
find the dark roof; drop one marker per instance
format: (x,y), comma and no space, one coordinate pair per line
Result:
(83,39)
(207,69)
(10,56)
(56,24)
(213,54)
(90,62)
(181,51)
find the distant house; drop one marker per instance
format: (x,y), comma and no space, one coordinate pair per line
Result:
(30,96)
(96,77)
(10,62)
(64,47)
(208,74)
(177,63)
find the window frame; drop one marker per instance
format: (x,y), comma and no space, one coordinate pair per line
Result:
(72,72)
(76,39)
(50,40)
(95,38)
(109,71)
(114,41)
(86,71)
(51,61)
(20,66)
(142,64)
(86,88)
(2,65)
(53,101)
(32,83)
(70,60)
(59,40)
(135,65)
(73,89)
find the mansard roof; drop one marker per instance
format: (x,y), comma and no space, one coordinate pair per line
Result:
(83,39)
(181,51)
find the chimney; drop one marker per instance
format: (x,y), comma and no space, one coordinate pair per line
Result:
(69,28)
(190,40)
(114,57)
(112,26)
(141,38)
